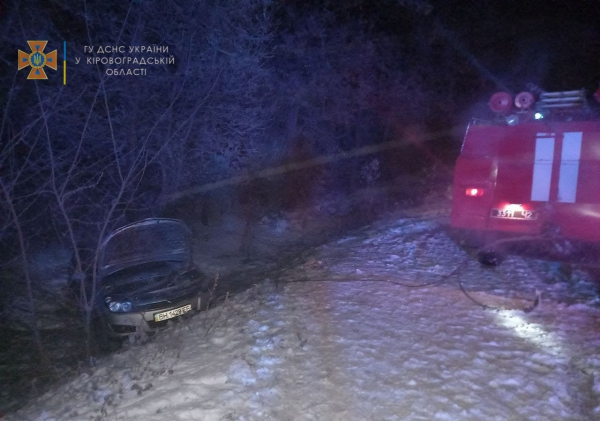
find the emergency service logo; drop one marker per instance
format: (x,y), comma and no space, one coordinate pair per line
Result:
(37,60)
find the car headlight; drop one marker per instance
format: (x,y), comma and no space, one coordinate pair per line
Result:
(120,306)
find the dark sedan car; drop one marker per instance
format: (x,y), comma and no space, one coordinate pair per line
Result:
(147,276)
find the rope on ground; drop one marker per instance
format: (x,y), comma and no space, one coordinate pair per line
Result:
(384,280)
(490,246)
(349,279)
(456,271)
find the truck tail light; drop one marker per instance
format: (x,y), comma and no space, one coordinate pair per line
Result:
(474,192)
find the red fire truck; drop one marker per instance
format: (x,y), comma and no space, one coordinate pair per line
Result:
(530,172)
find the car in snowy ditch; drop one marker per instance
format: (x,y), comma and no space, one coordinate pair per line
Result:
(147,276)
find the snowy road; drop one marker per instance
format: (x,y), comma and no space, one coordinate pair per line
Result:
(306,347)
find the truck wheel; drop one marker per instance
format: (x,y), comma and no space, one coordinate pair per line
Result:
(489,258)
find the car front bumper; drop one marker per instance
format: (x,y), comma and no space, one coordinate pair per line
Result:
(125,324)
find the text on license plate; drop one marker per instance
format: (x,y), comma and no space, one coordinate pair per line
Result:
(513,214)
(159,317)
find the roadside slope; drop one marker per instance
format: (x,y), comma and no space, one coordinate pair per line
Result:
(327,340)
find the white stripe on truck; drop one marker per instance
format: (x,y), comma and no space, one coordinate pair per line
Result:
(542,168)
(569,167)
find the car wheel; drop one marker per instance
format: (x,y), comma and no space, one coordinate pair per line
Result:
(106,341)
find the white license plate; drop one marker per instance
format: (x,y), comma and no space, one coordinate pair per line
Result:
(159,317)
(514,214)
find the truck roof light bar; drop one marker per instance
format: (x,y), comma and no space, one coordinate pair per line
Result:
(564,99)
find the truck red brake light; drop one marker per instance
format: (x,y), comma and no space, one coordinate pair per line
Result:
(474,192)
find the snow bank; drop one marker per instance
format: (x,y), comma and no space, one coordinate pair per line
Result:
(316,349)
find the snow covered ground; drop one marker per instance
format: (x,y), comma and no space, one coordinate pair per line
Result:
(331,338)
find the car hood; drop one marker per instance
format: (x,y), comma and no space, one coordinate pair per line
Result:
(146,241)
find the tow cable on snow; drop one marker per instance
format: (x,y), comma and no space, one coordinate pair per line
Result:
(456,271)
(529,309)
(490,246)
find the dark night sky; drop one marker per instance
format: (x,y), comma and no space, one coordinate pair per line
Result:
(555,44)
